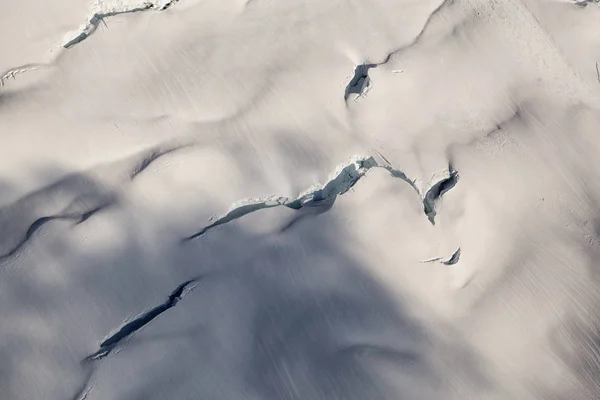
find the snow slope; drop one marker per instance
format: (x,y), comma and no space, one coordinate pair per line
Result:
(267,199)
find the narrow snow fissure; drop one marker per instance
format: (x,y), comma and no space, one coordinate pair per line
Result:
(396,173)
(450,261)
(584,3)
(95,21)
(131,327)
(453,259)
(168,4)
(85,388)
(436,192)
(14,72)
(344,178)
(102,10)
(323,197)
(360,82)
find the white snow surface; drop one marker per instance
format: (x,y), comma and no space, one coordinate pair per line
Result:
(451,254)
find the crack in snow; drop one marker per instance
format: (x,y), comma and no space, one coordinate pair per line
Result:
(345,177)
(86,387)
(137,323)
(584,3)
(454,258)
(102,10)
(14,72)
(168,4)
(396,173)
(360,83)
(430,260)
(417,38)
(436,192)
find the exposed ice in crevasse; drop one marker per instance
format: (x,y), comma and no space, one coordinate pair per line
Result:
(360,83)
(127,330)
(450,261)
(453,259)
(340,181)
(134,325)
(343,178)
(437,191)
(102,9)
(585,3)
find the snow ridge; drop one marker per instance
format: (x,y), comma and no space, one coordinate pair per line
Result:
(91,200)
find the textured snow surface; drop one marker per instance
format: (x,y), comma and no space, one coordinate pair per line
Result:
(300,200)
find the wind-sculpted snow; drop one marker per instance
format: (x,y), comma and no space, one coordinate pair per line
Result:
(84,199)
(455,257)
(78,218)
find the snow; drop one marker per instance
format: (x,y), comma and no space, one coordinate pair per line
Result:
(370,200)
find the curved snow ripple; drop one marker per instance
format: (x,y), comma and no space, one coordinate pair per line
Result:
(86,198)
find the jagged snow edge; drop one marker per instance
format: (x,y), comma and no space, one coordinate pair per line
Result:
(101,7)
(272,199)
